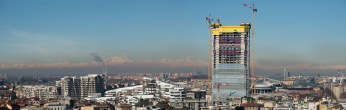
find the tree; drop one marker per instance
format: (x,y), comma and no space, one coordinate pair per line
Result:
(164,105)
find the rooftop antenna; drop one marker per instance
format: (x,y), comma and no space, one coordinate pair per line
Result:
(253,77)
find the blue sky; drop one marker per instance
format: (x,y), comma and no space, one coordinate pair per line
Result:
(291,32)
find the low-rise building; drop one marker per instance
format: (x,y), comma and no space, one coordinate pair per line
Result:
(37,91)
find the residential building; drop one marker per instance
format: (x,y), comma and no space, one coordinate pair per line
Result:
(37,91)
(81,87)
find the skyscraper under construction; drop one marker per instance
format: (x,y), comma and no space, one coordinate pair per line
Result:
(229,61)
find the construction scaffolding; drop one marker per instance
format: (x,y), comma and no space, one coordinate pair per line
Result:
(228,67)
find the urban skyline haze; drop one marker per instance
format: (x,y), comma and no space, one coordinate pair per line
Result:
(156,35)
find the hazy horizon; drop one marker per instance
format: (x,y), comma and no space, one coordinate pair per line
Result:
(160,36)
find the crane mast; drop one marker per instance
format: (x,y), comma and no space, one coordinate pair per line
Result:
(252,54)
(209,63)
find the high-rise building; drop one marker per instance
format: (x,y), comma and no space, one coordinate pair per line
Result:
(81,87)
(285,73)
(229,61)
(70,87)
(91,85)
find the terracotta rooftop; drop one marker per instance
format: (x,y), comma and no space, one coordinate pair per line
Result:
(251,105)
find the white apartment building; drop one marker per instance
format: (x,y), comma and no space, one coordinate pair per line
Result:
(38,91)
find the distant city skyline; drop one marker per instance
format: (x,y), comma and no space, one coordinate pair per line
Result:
(166,35)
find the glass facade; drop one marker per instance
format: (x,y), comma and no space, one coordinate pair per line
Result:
(230,61)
